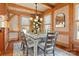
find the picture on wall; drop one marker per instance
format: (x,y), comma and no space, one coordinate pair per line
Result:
(60,20)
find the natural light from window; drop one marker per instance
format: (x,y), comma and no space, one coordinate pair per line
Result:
(47,22)
(77,21)
(25,23)
(2,22)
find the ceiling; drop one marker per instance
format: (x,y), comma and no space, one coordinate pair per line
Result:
(32,5)
(29,8)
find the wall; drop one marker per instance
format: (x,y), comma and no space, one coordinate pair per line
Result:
(63,37)
(3,12)
(2,8)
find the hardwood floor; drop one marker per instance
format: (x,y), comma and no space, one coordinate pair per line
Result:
(9,50)
(74,51)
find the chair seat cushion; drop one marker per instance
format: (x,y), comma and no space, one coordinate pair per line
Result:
(41,45)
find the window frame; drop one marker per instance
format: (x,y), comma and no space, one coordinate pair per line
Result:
(24,26)
(76,21)
(2,21)
(45,24)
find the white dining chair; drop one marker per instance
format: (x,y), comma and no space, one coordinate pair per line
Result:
(26,43)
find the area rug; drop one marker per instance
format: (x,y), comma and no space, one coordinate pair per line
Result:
(17,51)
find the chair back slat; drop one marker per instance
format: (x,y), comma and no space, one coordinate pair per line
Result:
(51,40)
(22,37)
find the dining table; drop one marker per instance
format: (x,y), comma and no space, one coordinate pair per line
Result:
(36,38)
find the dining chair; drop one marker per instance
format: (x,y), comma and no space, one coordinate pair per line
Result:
(24,45)
(30,43)
(49,43)
(26,42)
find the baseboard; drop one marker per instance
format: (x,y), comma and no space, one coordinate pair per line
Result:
(62,44)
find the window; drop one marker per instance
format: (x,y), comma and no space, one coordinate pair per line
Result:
(2,22)
(47,23)
(25,23)
(47,19)
(77,21)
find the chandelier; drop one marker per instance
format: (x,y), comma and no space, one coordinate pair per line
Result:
(36,15)
(37,22)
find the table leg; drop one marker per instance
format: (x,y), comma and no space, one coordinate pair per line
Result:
(35,47)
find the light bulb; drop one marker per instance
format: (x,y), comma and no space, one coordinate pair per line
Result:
(31,18)
(37,17)
(41,19)
(35,20)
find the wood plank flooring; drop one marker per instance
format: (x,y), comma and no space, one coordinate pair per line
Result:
(9,50)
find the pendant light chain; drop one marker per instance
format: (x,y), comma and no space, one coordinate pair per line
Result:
(36,8)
